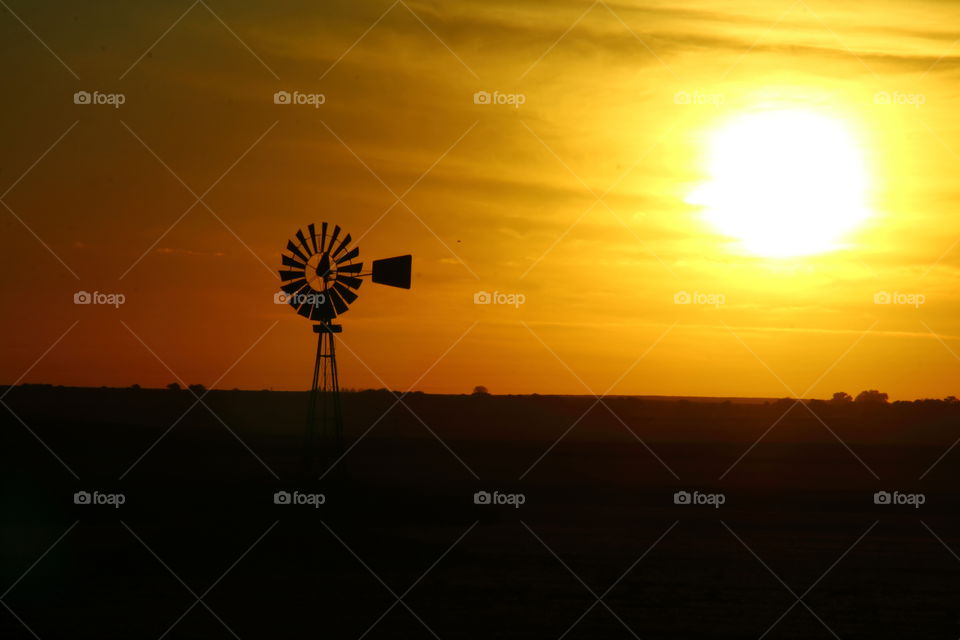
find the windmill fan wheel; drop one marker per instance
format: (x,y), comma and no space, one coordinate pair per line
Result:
(320,274)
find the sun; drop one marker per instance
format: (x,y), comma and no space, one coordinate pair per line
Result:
(784,183)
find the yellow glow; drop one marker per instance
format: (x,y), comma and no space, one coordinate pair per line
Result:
(784,183)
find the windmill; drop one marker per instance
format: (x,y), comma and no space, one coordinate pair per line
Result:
(320,276)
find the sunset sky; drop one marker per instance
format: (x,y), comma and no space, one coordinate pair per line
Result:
(649,136)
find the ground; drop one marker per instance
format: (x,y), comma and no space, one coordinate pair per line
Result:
(597,549)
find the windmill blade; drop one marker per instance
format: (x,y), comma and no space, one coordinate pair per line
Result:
(290,262)
(315,306)
(337,301)
(293,287)
(292,275)
(303,242)
(306,311)
(341,246)
(350,281)
(295,298)
(322,311)
(312,228)
(323,236)
(347,295)
(393,272)
(292,248)
(356,267)
(349,255)
(333,237)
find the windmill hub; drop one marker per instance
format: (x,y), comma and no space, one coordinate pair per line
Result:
(320,273)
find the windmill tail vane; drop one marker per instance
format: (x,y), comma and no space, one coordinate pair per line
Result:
(320,275)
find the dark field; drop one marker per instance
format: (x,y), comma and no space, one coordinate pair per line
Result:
(598,549)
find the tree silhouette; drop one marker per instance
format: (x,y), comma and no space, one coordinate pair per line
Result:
(480,390)
(841,397)
(872,396)
(173,386)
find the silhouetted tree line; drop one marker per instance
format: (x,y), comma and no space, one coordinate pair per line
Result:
(868,396)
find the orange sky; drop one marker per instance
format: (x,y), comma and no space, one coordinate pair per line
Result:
(577,199)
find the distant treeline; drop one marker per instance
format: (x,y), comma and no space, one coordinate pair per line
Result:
(870,396)
(868,418)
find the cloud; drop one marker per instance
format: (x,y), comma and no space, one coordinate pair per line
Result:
(513,36)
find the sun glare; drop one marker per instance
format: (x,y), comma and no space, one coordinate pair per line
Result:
(784,183)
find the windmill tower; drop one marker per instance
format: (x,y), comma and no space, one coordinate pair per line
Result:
(320,276)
